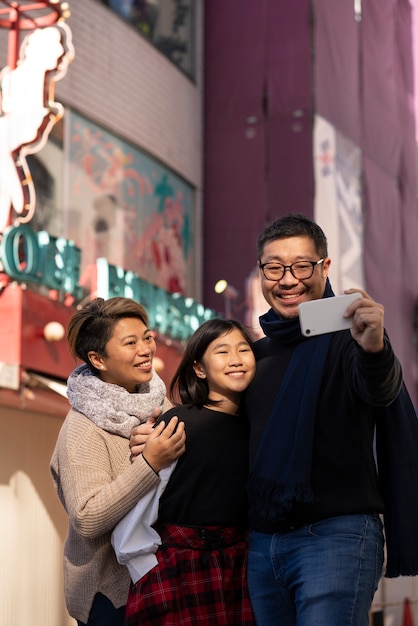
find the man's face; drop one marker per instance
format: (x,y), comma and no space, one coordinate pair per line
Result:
(284,295)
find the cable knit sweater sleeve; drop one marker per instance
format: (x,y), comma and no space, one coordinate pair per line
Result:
(95,481)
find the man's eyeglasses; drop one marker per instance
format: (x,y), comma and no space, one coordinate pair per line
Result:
(301,270)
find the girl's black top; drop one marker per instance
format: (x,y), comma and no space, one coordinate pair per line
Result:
(207,486)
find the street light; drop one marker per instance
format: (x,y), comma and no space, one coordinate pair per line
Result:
(229,293)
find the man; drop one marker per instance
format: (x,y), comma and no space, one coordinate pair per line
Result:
(316,543)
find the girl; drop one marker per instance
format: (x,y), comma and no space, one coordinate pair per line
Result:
(200,574)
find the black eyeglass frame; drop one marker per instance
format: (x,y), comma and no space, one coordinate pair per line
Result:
(290,268)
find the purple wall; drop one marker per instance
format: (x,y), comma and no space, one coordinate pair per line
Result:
(364,86)
(258,130)
(272,64)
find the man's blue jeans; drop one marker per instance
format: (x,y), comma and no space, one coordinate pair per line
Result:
(324,574)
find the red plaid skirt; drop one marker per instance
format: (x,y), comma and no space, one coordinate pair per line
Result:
(200,579)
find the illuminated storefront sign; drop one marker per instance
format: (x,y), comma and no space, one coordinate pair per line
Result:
(54,262)
(170,313)
(28,112)
(41,259)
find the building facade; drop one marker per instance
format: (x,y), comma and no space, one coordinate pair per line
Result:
(118,212)
(310,107)
(292,111)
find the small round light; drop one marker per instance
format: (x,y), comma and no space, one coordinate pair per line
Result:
(158,364)
(54,331)
(221,285)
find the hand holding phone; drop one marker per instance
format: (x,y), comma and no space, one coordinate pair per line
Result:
(317,317)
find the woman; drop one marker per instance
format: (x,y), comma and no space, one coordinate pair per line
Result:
(114,390)
(200,570)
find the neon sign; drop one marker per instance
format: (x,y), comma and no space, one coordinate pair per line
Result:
(41,259)
(54,262)
(170,313)
(27,114)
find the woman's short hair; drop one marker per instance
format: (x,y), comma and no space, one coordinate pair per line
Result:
(91,327)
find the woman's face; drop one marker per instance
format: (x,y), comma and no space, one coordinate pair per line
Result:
(228,366)
(129,354)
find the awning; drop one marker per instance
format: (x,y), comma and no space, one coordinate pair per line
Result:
(32,379)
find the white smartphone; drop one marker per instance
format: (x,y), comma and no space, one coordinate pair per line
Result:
(326,315)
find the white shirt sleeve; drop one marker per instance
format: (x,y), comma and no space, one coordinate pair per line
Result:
(134,540)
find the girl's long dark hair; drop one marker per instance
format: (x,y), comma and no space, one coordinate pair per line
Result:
(186,387)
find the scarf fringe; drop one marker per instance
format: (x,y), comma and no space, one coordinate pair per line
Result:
(401,566)
(273,500)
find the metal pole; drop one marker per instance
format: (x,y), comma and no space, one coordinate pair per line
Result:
(13,39)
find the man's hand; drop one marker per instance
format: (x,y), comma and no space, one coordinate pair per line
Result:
(165,444)
(368,329)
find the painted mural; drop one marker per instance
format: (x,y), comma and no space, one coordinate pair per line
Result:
(125,206)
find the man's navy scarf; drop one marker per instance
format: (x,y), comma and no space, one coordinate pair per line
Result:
(397,462)
(280,476)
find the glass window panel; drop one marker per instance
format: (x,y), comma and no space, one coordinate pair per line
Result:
(168,24)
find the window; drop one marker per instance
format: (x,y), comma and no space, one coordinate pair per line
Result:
(167,24)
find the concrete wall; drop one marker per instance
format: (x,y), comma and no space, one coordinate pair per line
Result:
(121,82)
(34,524)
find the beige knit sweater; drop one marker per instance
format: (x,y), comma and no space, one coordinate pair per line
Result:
(97,486)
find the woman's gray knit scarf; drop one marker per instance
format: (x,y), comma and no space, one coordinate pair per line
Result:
(112,407)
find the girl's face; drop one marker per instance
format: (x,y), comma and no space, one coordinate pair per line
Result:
(129,354)
(228,364)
